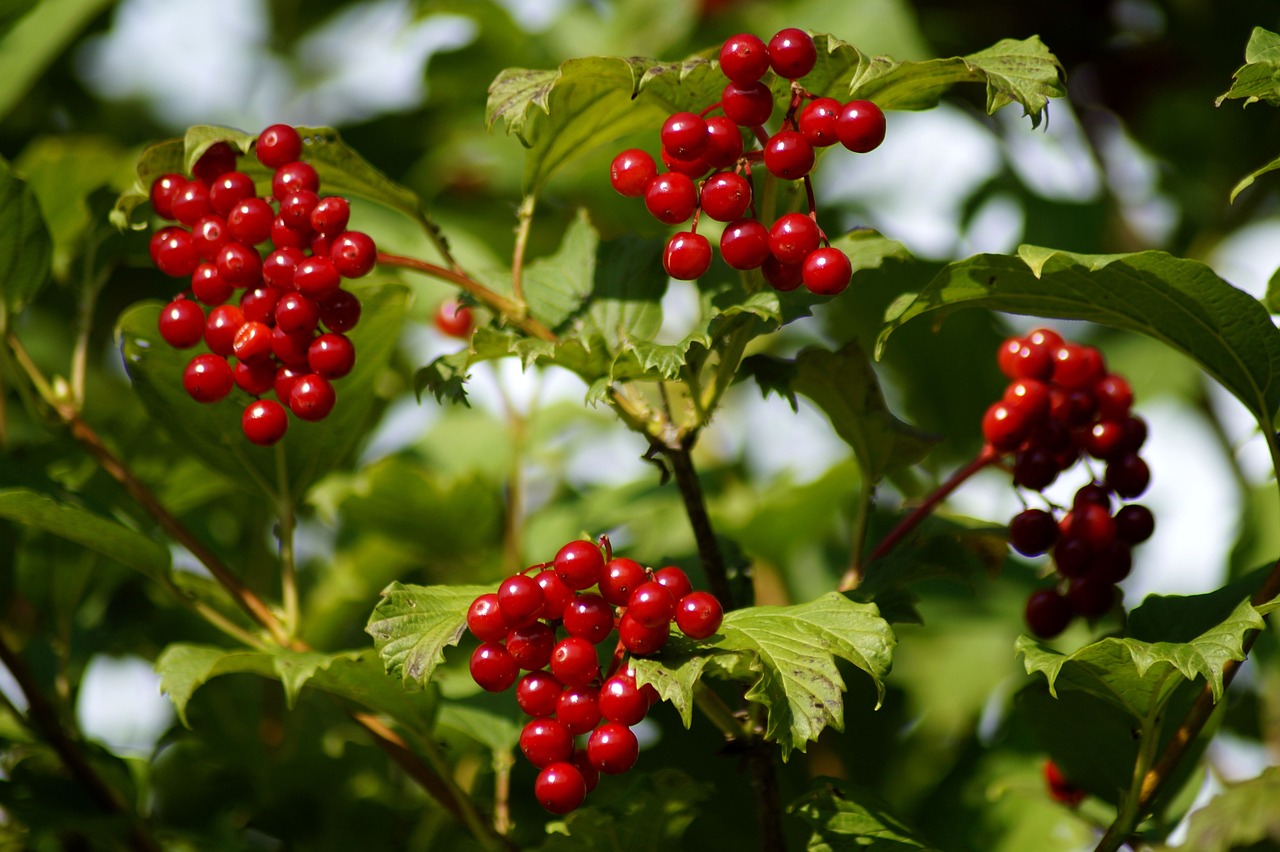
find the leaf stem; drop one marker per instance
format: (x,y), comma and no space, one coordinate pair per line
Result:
(513,311)
(524,217)
(987,456)
(1133,807)
(718,713)
(287,522)
(861,521)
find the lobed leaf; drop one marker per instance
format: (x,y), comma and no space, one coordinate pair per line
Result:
(1181,303)
(412,625)
(675,672)
(1259,78)
(26,249)
(185,668)
(844,816)
(86,528)
(1138,676)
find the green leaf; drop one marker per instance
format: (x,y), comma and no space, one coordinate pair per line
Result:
(1245,183)
(1244,816)
(213,432)
(790,653)
(674,672)
(652,813)
(844,385)
(185,668)
(25,245)
(1138,676)
(497,733)
(111,539)
(1180,303)
(1259,78)
(412,625)
(36,40)
(844,816)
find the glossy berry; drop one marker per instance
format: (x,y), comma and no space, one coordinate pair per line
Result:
(792,53)
(191,204)
(574,661)
(218,159)
(860,126)
(286,378)
(249,221)
(687,256)
(817,122)
(652,605)
(612,748)
(1114,396)
(164,190)
(221,327)
(208,235)
(1035,469)
(278,145)
(1048,613)
(493,668)
(330,215)
(228,190)
(692,168)
(793,237)
(826,271)
(520,599)
(295,209)
(239,265)
(631,172)
(1032,532)
(252,340)
(530,646)
(725,196)
(578,564)
(560,788)
(639,639)
(291,348)
(744,58)
(331,355)
(538,694)
(622,701)
(698,615)
(556,595)
(747,104)
(578,709)
(671,198)
(341,312)
(353,254)
(620,578)
(546,741)
(1077,367)
(259,304)
(255,377)
(295,313)
(264,422)
(485,620)
(208,378)
(724,142)
(312,398)
(684,135)
(1004,426)
(173,251)
(181,323)
(744,244)
(674,580)
(317,278)
(292,177)
(589,616)
(788,155)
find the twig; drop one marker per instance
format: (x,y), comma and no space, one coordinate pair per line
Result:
(525,218)
(695,507)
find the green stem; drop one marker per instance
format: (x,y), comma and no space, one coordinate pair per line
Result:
(84,321)
(1134,806)
(288,568)
(861,521)
(718,713)
(525,219)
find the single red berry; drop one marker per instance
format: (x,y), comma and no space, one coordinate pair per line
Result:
(1091,596)
(291,348)
(578,709)
(817,122)
(340,312)
(699,614)
(1031,396)
(295,209)
(1077,367)
(560,788)
(173,251)
(1114,396)
(484,619)
(687,256)
(622,701)
(747,104)
(1093,492)
(530,646)
(620,578)
(1104,439)
(641,640)
(292,177)
(612,748)
(826,271)
(295,313)
(331,355)
(209,235)
(164,190)
(208,378)
(556,595)
(538,694)
(579,564)
(724,142)
(218,159)
(590,617)
(1113,564)
(1092,523)
(221,327)
(353,254)
(228,190)
(521,600)
(278,145)
(674,580)
(652,605)
(574,661)
(1048,613)
(181,323)
(631,171)
(793,238)
(684,134)
(1004,426)
(252,340)
(671,198)
(250,221)
(1072,555)
(788,155)
(692,168)
(255,377)
(1128,475)
(317,278)
(861,126)
(1134,523)
(239,264)
(264,422)
(493,668)
(282,236)
(1135,434)
(725,196)
(1035,469)
(286,378)
(1032,532)
(259,305)
(744,58)
(744,244)
(312,398)
(1018,359)
(191,204)
(792,53)
(331,215)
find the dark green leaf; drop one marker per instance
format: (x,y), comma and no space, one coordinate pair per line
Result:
(126,546)
(36,40)
(412,625)
(1244,816)
(499,734)
(25,245)
(1259,78)
(185,668)
(844,385)
(844,816)
(1180,303)
(651,814)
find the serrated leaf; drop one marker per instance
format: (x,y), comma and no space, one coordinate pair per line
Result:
(213,432)
(674,672)
(296,668)
(412,625)
(1259,78)
(1244,816)
(1180,303)
(791,655)
(111,539)
(1138,676)
(26,248)
(844,385)
(844,816)
(185,668)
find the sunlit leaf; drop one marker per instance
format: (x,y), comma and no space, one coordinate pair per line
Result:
(1259,78)
(412,625)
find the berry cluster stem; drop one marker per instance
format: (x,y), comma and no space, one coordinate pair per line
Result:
(681,458)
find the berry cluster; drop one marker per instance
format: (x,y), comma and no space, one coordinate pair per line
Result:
(708,149)
(286,255)
(1060,789)
(1060,406)
(565,690)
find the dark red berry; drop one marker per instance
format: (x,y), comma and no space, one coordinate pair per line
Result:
(259,304)
(1060,788)
(181,323)
(817,122)
(699,614)
(744,244)
(331,355)
(724,142)
(208,378)
(278,145)
(687,256)
(793,237)
(612,748)
(340,312)
(1035,469)
(1077,367)
(782,276)
(1134,523)
(218,159)
(578,709)
(578,564)
(631,171)
(1128,475)
(639,639)
(208,235)
(1091,596)
(255,377)
(1004,426)
(747,104)
(556,595)
(292,177)
(620,578)
(353,254)
(521,600)
(788,155)
(530,646)
(792,53)
(826,271)
(726,196)
(860,126)
(291,348)
(312,398)
(744,58)
(173,251)
(671,198)
(264,422)
(538,694)
(590,617)
(485,621)
(1032,532)
(239,265)
(560,788)
(295,313)
(1048,613)
(493,668)
(317,278)
(330,215)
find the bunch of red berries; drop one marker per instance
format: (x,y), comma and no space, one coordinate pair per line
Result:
(549,625)
(286,256)
(1062,405)
(793,250)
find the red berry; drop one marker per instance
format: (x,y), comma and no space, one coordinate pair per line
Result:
(255,377)
(340,312)
(530,646)
(538,694)
(173,251)
(747,104)
(493,668)
(687,256)
(295,313)
(574,661)
(1091,596)
(317,278)
(1019,360)
(520,599)
(578,709)
(353,254)
(1134,523)
(252,340)
(674,580)
(578,564)
(1048,613)
(652,605)
(164,190)
(684,135)
(181,323)
(699,614)
(1114,397)
(286,378)
(208,235)
(556,595)
(744,58)
(295,209)
(1031,396)
(725,196)
(694,168)
(1004,426)
(671,198)
(861,126)
(292,177)
(221,327)
(590,617)
(239,265)
(788,155)
(612,748)
(1077,367)
(259,305)
(817,122)
(622,701)
(1128,475)
(331,356)
(793,238)
(1032,532)
(282,236)
(330,215)
(291,348)
(724,142)
(228,190)
(250,221)
(278,145)
(312,398)
(782,276)
(744,244)
(826,271)
(792,53)
(191,204)
(641,640)
(582,763)
(1035,469)
(620,578)
(560,788)
(484,619)
(264,422)
(208,378)
(218,159)
(631,171)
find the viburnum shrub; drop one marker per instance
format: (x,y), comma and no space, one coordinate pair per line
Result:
(457,607)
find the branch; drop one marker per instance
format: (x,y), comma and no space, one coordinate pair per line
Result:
(695,507)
